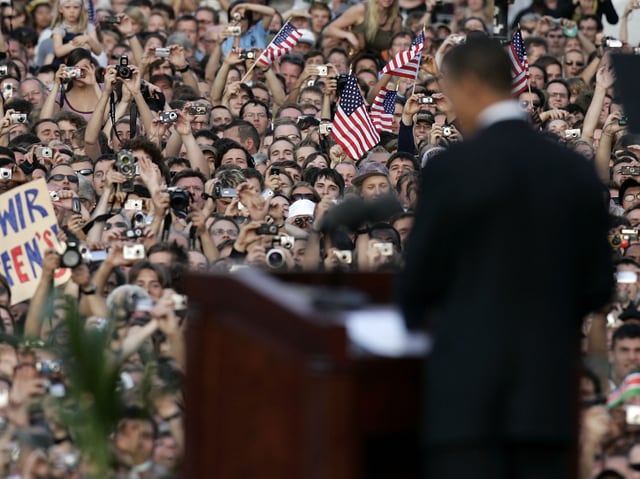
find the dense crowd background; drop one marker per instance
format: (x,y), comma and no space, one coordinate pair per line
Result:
(166,150)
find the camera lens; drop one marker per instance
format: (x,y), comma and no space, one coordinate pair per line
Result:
(275,259)
(71,258)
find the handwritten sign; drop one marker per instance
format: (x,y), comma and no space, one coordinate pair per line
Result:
(28,227)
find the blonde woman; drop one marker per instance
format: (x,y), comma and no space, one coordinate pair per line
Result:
(381,21)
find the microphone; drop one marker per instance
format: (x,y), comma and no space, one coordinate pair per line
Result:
(355,211)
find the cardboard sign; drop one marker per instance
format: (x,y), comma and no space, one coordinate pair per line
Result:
(28,227)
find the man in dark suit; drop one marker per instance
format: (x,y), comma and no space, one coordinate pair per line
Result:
(508,253)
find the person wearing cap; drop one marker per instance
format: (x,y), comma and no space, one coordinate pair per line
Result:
(301,214)
(306,43)
(372,181)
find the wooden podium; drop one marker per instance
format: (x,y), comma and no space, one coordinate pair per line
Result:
(275,390)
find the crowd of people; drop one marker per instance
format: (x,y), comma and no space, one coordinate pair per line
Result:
(166,148)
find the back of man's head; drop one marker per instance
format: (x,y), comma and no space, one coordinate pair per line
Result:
(482,58)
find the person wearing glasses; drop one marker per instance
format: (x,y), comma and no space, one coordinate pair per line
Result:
(301,214)
(573,64)
(63,177)
(558,94)
(629,193)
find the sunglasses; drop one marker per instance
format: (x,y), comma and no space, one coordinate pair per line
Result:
(570,64)
(117,224)
(220,232)
(303,196)
(61,177)
(302,220)
(525,104)
(85,172)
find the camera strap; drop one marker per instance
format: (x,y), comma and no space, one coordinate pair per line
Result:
(192,237)
(166,228)
(133,119)
(112,114)
(63,94)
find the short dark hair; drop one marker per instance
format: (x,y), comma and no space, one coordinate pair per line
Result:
(330,173)
(591,17)
(255,102)
(482,57)
(223,145)
(178,254)
(160,270)
(188,173)
(294,59)
(405,156)
(246,130)
(535,41)
(151,149)
(626,331)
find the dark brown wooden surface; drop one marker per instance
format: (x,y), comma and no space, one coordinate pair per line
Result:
(272,390)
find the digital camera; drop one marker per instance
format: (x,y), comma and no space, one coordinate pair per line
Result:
(44,152)
(18,118)
(572,134)
(133,252)
(122,69)
(72,256)
(385,249)
(267,230)
(162,52)
(425,100)
(275,258)
(73,72)
(179,200)
(197,110)
(135,205)
(630,170)
(168,117)
(247,55)
(344,256)
(325,128)
(126,164)
(285,241)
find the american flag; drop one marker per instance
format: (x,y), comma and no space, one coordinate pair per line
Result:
(352,127)
(519,64)
(282,44)
(382,109)
(406,63)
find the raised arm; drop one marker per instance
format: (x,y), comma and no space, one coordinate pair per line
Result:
(266,12)
(50,106)
(604,81)
(218,86)
(341,27)
(37,308)
(94,125)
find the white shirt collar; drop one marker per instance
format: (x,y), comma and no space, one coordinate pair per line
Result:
(502,111)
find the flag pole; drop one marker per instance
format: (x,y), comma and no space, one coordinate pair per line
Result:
(249,71)
(251,68)
(528,82)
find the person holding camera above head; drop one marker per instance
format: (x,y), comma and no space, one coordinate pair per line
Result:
(75,86)
(247,29)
